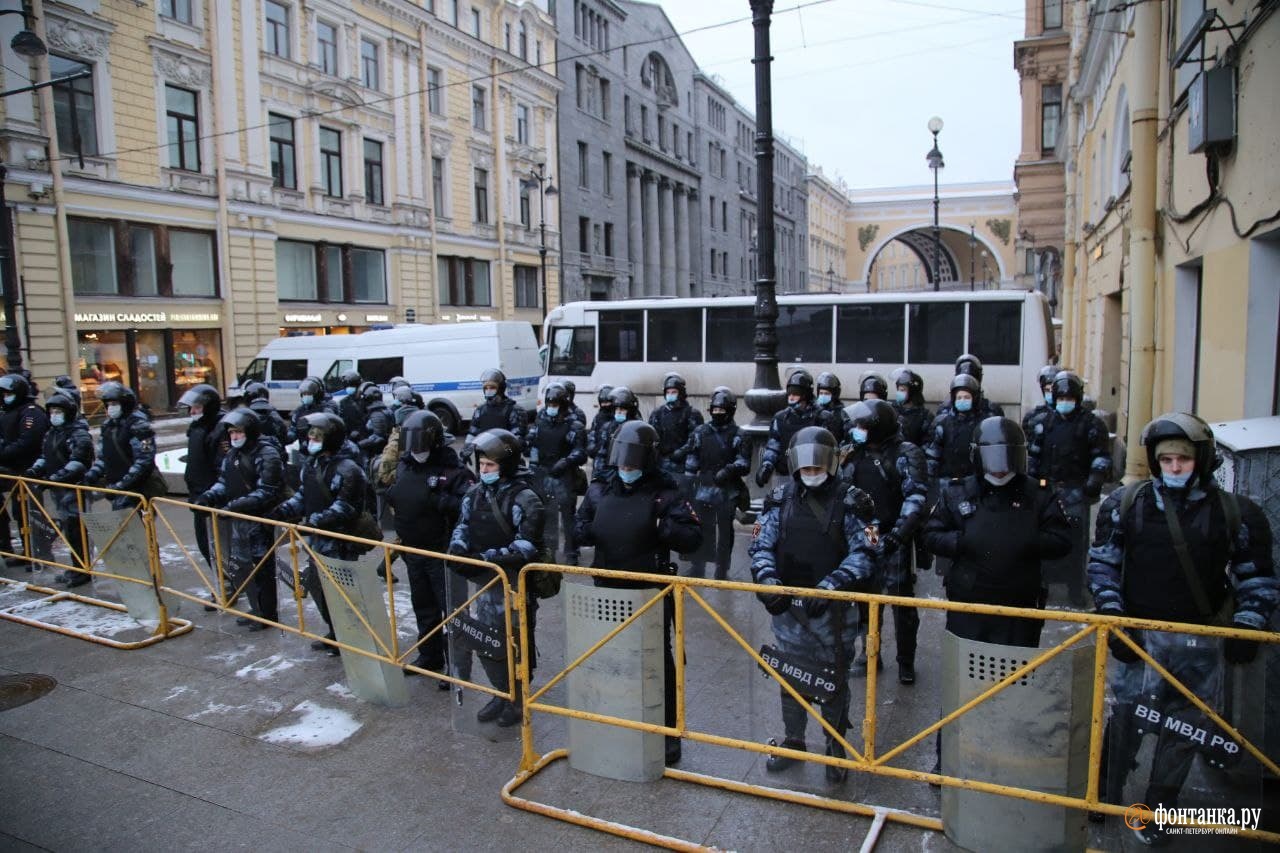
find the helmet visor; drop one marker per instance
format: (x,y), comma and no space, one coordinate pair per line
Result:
(1003,458)
(630,454)
(812,454)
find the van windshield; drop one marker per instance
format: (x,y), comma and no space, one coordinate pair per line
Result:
(573,351)
(255,372)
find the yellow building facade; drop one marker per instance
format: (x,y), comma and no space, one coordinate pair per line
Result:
(828,202)
(228,171)
(1172,250)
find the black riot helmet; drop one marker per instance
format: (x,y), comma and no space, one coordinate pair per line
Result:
(828,381)
(352,379)
(604,397)
(624,398)
(1182,426)
(800,383)
(255,391)
(245,421)
(67,385)
(499,445)
(635,445)
(332,430)
(676,381)
(313,386)
(905,377)
(494,376)
(369,393)
(877,417)
(422,432)
(555,395)
(571,389)
(397,382)
(406,396)
(813,447)
(202,395)
(999,447)
(1046,375)
(17,385)
(872,383)
(68,403)
(1067,384)
(970,364)
(117,392)
(723,398)
(966,382)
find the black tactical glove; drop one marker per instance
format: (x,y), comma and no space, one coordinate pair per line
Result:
(724,476)
(861,503)
(763,474)
(775,604)
(679,454)
(890,543)
(559,468)
(1121,651)
(1093,486)
(1239,651)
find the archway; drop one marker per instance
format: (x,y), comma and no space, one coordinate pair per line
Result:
(904,260)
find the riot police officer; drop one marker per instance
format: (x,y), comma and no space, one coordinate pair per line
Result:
(250,482)
(426,498)
(675,420)
(601,427)
(404,402)
(812,534)
(126,445)
(833,418)
(312,397)
(349,407)
(1071,448)
(557,448)
(1043,410)
(626,407)
(799,413)
(67,454)
(377,422)
(498,411)
(574,411)
(948,453)
(908,401)
(635,519)
(23,425)
(1176,547)
(871,386)
(500,521)
(892,471)
(206,446)
(971,365)
(718,459)
(270,425)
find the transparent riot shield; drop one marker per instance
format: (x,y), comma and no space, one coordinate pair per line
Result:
(478,651)
(1065,579)
(354,594)
(120,538)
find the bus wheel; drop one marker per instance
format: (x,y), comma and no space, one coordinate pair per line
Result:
(447,417)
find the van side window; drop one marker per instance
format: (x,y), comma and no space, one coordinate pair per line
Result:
(995,332)
(622,336)
(289,370)
(255,372)
(573,351)
(380,370)
(675,334)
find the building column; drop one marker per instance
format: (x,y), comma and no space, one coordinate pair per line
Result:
(652,256)
(681,210)
(692,248)
(667,218)
(635,231)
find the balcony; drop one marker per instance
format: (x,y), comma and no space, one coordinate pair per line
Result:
(600,264)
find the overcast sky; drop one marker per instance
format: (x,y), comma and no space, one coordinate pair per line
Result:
(855,81)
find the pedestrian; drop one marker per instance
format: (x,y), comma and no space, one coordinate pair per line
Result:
(66,455)
(799,413)
(971,365)
(271,426)
(349,406)
(1042,410)
(675,420)
(498,411)
(718,459)
(23,425)
(557,447)
(626,407)
(833,417)
(206,446)
(602,426)
(126,458)
(331,497)
(1176,547)
(425,497)
(914,417)
(892,471)
(948,453)
(812,534)
(635,519)
(250,482)
(500,521)
(1071,448)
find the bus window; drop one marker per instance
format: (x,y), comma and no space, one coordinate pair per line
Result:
(622,336)
(380,371)
(675,334)
(804,333)
(255,372)
(729,333)
(937,332)
(573,351)
(289,369)
(995,332)
(867,334)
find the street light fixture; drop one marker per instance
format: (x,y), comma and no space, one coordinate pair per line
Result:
(831,277)
(537,177)
(26,43)
(935,163)
(973,245)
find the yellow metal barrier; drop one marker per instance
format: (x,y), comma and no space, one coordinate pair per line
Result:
(867,760)
(36,522)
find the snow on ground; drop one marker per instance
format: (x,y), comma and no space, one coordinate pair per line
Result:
(265,669)
(77,616)
(319,727)
(221,710)
(340,690)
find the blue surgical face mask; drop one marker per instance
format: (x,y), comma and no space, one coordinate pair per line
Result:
(10,399)
(796,403)
(490,393)
(314,447)
(1065,407)
(239,442)
(1048,397)
(1176,481)
(824,399)
(620,417)
(859,435)
(964,405)
(490,478)
(57,418)
(900,395)
(552,411)
(308,399)
(114,410)
(631,476)
(673,396)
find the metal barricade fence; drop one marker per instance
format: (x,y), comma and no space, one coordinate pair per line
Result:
(870,756)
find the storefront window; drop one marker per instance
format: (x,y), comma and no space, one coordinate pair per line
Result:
(158,364)
(103,358)
(197,358)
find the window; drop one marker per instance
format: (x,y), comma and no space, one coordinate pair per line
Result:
(349,274)
(463,281)
(1188,13)
(117,258)
(995,332)
(675,334)
(644,122)
(936,332)
(481,195)
(380,371)
(373,171)
(331,161)
(327,47)
(804,333)
(506,37)
(584,234)
(437,185)
(573,351)
(621,335)
(662,132)
(283,170)
(526,279)
(522,124)
(73,107)
(1053,14)
(522,42)
(711,210)
(475,22)
(580,85)
(604,99)
(584,171)
(608,239)
(868,334)
(729,333)
(525,205)
(606,168)
(370,65)
(724,216)
(1050,113)
(477,107)
(626,113)
(178,10)
(435,91)
(183,126)
(276,31)
(713,263)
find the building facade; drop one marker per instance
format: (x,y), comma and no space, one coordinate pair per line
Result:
(828,202)
(233,170)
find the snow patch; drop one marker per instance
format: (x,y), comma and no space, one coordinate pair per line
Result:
(219,709)
(340,690)
(319,727)
(180,690)
(233,656)
(265,669)
(79,617)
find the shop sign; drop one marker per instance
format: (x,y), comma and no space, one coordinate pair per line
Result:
(302,318)
(210,317)
(465,318)
(377,318)
(148,319)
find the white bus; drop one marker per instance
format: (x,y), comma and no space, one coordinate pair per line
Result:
(635,342)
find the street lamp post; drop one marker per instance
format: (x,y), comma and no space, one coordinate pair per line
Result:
(973,245)
(831,277)
(935,163)
(546,188)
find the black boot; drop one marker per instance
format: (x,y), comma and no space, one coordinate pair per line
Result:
(778,763)
(836,775)
(491,710)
